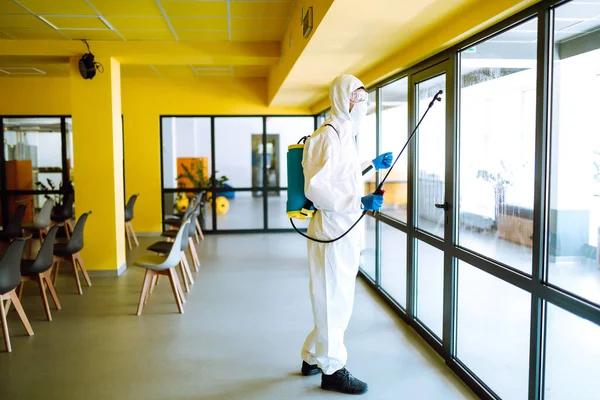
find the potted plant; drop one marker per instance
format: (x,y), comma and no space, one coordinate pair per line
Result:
(57,198)
(198,179)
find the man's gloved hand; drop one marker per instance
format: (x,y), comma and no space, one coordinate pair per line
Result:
(372,202)
(384,161)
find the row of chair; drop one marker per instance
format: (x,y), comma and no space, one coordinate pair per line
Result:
(15,271)
(170,254)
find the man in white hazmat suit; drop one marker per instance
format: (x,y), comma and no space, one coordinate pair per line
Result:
(334,183)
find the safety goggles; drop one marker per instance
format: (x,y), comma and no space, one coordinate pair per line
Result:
(358,96)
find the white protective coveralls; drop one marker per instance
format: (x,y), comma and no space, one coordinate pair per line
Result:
(334,183)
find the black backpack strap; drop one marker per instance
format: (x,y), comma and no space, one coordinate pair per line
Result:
(332,127)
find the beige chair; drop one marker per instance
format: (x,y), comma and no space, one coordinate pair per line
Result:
(157,265)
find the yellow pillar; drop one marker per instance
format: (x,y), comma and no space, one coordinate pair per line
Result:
(98,165)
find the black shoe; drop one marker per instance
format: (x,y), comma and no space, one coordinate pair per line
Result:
(342,381)
(308,370)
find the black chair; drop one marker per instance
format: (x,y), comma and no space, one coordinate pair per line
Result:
(70,252)
(176,220)
(65,215)
(128,218)
(14,229)
(10,278)
(164,247)
(177,216)
(39,270)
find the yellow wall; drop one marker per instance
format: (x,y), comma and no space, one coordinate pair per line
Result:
(35,96)
(144,100)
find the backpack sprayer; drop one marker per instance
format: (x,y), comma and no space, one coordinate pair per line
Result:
(299,207)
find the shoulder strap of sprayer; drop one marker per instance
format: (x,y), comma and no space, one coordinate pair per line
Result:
(309,204)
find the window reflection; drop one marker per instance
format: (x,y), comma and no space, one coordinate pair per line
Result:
(574,234)
(497,140)
(394,126)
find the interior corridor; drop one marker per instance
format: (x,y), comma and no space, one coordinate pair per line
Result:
(239,338)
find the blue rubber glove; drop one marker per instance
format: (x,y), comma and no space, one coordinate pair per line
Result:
(372,202)
(384,161)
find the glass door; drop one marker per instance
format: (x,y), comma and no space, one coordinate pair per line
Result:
(429,203)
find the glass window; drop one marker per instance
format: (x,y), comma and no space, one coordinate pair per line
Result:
(393,263)
(240,156)
(244,210)
(572,354)
(497,146)
(33,153)
(493,320)
(70,153)
(239,151)
(574,232)
(430,287)
(281,133)
(394,128)
(368,254)
(186,152)
(431,159)
(367,139)
(175,202)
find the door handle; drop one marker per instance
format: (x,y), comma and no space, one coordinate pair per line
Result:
(445,205)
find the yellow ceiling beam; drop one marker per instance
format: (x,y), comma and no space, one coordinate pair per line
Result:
(374,40)
(158,53)
(293,43)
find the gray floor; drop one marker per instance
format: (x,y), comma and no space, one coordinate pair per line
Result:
(239,338)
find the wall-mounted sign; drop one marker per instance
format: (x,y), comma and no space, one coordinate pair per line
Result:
(307,23)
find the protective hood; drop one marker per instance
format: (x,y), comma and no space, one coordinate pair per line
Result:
(339,95)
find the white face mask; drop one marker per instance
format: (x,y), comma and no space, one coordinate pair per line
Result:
(358,112)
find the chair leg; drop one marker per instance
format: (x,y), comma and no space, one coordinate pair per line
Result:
(40,281)
(21,312)
(179,289)
(7,306)
(127,236)
(184,277)
(74,264)
(21,286)
(186,265)
(135,239)
(82,268)
(55,268)
(46,276)
(172,278)
(149,291)
(67,232)
(4,325)
(194,255)
(147,279)
(199,229)
(30,247)
(154,283)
